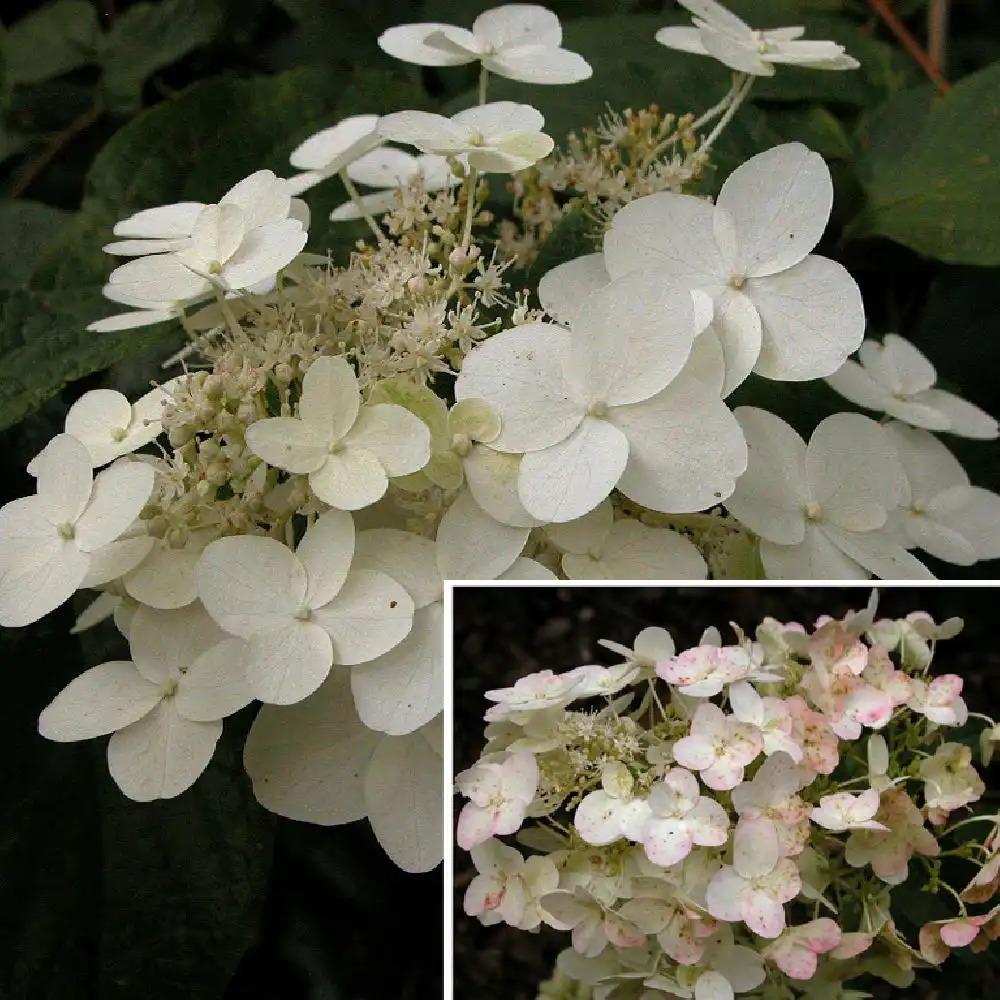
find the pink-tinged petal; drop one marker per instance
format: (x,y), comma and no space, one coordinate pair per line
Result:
(724,895)
(959,933)
(621,933)
(763,914)
(708,823)
(475,826)
(696,752)
(667,842)
(755,849)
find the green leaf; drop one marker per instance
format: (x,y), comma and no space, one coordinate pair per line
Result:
(27,226)
(148,37)
(938,190)
(814,125)
(52,40)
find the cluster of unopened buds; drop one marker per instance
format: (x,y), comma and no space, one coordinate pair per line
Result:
(730,819)
(345,438)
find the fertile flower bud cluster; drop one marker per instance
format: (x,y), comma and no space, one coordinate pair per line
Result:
(730,819)
(347,435)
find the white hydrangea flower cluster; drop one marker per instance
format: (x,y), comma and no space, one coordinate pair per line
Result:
(729,819)
(345,438)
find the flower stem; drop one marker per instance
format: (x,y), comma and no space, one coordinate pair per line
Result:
(230,317)
(484,78)
(738,98)
(360,205)
(470,206)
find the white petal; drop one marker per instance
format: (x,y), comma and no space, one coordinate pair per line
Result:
(215,684)
(718,17)
(217,234)
(330,398)
(562,290)
(250,584)
(684,39)
(520,373)
(371,614)
(737,326)
(539,64)
(350,479)
(308,761)
(159,279)
(164,641)
(973,513)
(135,248)
(65,478)
(162,222)
(584,534)
(668,232)
(99,701)
(878,553)
(38,569)
(407,42)
(737,54)
(165,579)
(565,481)
(325,552)
(377,203)
(403,689)
(940,541)
(712,985)
(403,793)
(131,320)
(929,466)
(685,448)
(963,418)
(471,545)
(288,664)
(527,569)
(407,558)
(812,317)
(814,558)
(518,24)
(853,471)
(854,383)
(658,319)
(897,365)
(93,420)
(635,551)
(289,443)
(99,609)
(161,755)
(263,252)
(385,167)
(399,439)
(780,202)
(120,492)
(511,151)
(263,197)
(755,849)
(500,117)
(333,148)
(492,480)
(707,362)
(429,132)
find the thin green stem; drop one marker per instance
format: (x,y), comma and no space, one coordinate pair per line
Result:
(964,822)
(360,205)
(484,79)
(227,313)
(470,206)
(739,97)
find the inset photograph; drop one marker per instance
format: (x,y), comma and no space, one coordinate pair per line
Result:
(709,792)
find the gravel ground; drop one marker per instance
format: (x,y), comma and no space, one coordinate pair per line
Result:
(502,634)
